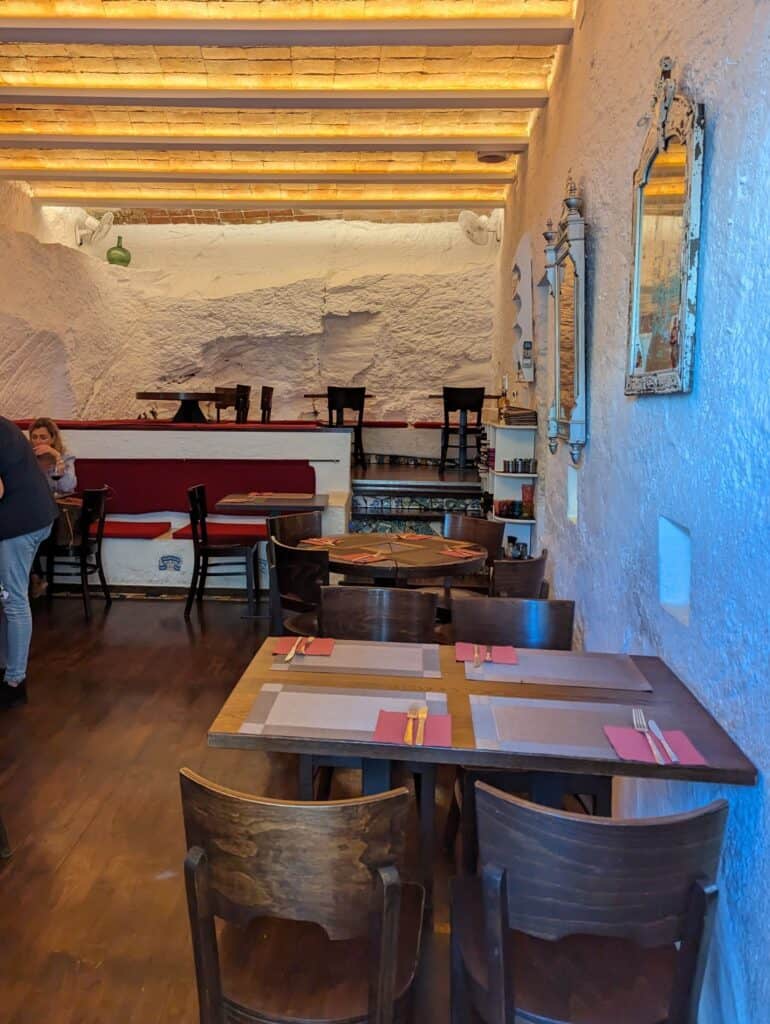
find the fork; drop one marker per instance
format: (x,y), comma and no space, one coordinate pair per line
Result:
(411,718)
(640,724)
(422,715)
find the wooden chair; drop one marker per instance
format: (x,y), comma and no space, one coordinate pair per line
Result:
(473,530)
(266,403)
(512,620)
(340,399)
(5,846)
(234,557)
(82,558)
(378,613)
(582,919)
(462,401)
(237,398)
(392,616)
(296,526)
(297,911)
(521,623)
(296,578)
(519,577)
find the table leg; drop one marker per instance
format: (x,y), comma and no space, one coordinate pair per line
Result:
(376,776)
(427,811)
(462,440)
(189,412)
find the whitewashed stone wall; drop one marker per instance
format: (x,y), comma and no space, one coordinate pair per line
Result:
(402,308)
(702,459)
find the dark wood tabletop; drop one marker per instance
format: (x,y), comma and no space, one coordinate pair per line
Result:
(669,702)
(267,503)
(177,396)
(407,556)
(324,394)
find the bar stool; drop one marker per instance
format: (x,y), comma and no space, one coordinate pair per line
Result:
(462,401)
(340,399)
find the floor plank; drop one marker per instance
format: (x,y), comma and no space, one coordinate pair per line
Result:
(92,912)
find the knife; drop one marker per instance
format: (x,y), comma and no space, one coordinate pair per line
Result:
(476,656)
(293,650)
(657,732)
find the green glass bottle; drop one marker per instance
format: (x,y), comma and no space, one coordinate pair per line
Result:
(118,255)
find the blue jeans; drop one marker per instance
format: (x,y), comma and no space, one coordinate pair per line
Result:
(16,557)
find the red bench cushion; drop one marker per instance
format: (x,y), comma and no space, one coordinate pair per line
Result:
(227,533)
(386,423)
(160,485)
(146,530)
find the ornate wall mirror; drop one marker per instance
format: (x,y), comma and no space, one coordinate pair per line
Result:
(565,273)
(666,240)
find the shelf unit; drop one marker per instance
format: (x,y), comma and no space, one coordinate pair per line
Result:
(510,442)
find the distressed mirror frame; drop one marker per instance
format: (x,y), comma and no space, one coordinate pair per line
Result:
(567,242)
(676,118)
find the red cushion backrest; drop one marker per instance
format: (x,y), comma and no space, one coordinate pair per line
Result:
(160,485)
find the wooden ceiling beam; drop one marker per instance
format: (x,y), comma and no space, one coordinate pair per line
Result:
(523,31)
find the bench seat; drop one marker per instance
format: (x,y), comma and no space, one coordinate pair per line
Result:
(227,533)
(138,530)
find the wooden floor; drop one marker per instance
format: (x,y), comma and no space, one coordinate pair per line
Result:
(93,926)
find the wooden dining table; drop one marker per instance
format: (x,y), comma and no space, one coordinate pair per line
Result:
(271,503)
(189,410)
(400,557)
(295,708)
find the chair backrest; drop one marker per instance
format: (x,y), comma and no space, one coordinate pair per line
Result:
(291,529)
(519,577)
(485,532)
(242,402)
(568,874)
(513,620)
(196,497)
(266,403)
(340,399)
(290,860)
(378,613)
(467,399)
(299,573)
(93,511)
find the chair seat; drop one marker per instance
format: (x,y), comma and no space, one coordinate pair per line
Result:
(301,623)
(247,534)
(581,979)
(291,970)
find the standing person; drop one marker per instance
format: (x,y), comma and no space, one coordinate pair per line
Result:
(27,511)
(52,455)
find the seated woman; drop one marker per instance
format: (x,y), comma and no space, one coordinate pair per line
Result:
(58,467)
(52,456)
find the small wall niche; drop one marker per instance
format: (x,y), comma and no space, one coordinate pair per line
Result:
(572,494)
(674,568)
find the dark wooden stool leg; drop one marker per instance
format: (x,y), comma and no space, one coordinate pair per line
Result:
(5,846)
(305,777)
(427,812)
(251,593)
(84,580)
(193,587)
(102,577)
(203,574)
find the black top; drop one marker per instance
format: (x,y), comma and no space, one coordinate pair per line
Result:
(26,505)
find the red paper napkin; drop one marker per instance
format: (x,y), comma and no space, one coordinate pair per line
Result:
(321,542)
(500,655)
(413,536)
(391,726)
(319,647)
(631,745)
(461,552)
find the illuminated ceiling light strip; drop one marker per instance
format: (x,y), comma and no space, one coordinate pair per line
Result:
(127,203)
(510,143)
(473,31)
(472,99)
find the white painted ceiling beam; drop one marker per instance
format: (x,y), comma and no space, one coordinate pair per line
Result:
(121,203)
(371,99)
(365,144)
(522,31)
(265,178)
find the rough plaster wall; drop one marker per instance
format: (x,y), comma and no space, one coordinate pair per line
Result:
(402,308)
(702,459)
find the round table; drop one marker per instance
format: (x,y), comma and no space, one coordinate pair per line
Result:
(189,411)
(406,556)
